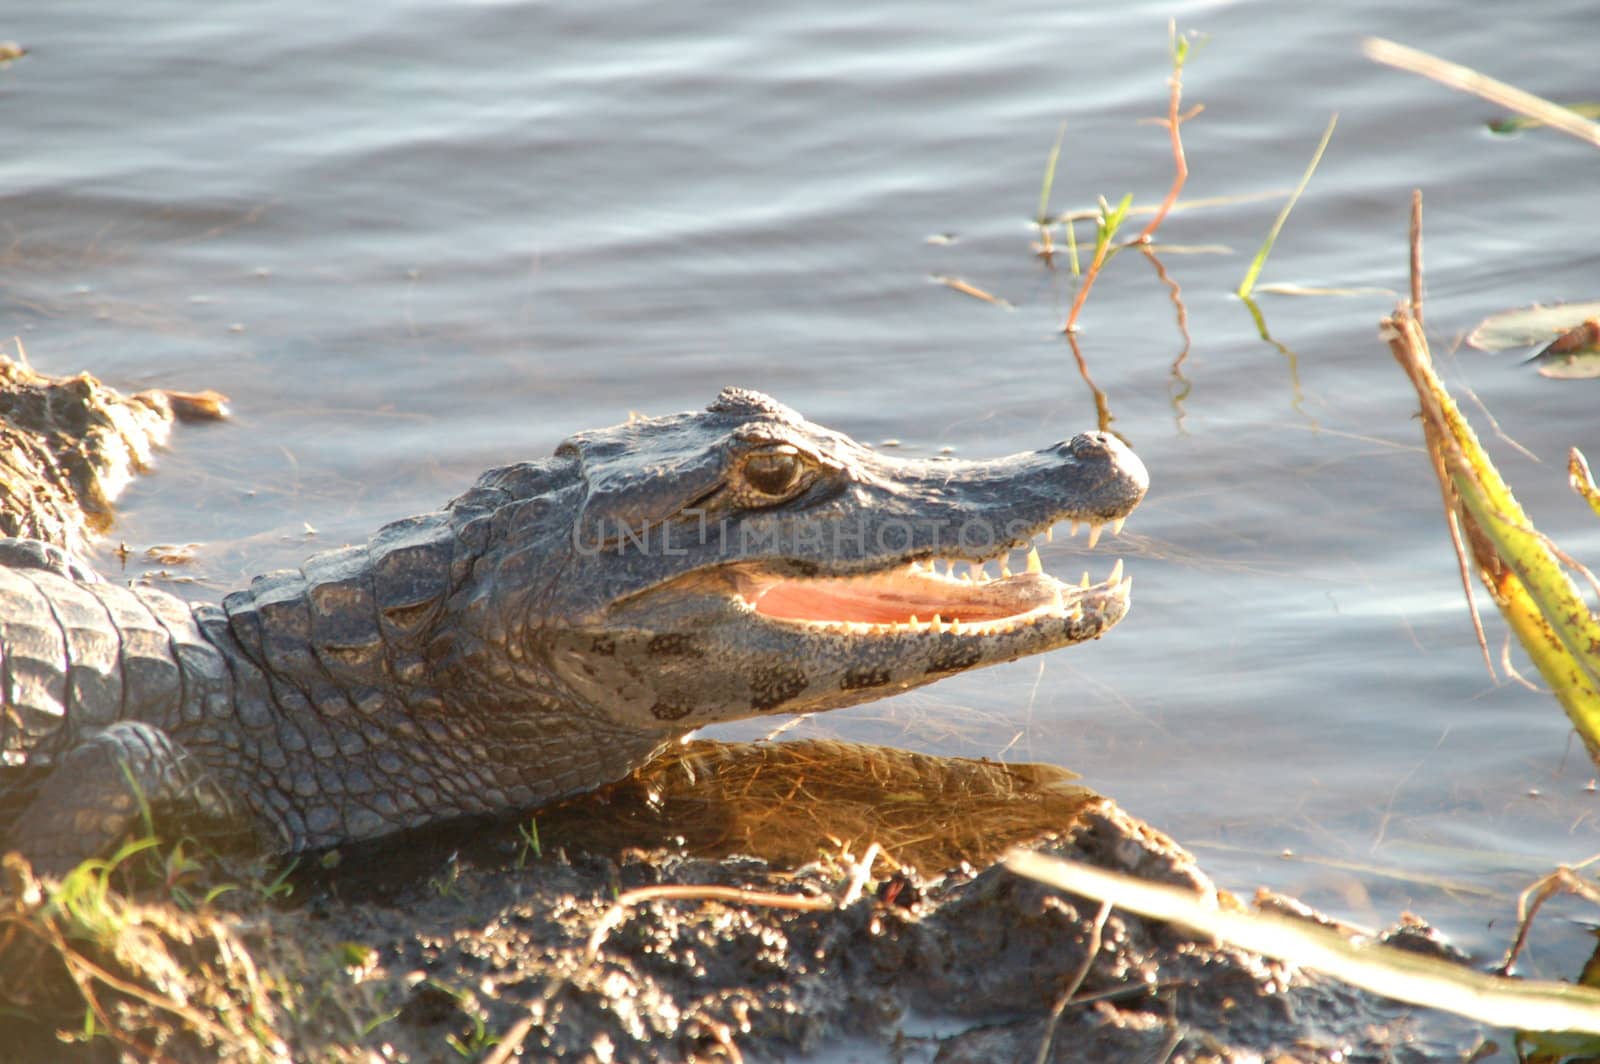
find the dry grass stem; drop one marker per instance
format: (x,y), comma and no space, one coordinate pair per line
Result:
(1173,120)
(1564,880)
(967,289)
(1466,79)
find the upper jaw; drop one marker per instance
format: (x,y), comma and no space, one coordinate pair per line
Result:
(926,592)
(893,537)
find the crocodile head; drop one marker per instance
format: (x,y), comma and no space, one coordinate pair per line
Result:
(742,561)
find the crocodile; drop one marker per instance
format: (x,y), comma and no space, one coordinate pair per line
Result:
(544,633)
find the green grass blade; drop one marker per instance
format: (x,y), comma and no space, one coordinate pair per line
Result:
(1111,219)
(1042,216)
(1260,260)
(1072,249)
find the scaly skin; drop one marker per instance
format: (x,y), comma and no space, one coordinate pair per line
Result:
(545,633)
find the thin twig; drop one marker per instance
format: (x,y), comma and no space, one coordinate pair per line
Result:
(1083,289)
(1509,667)
(859,876)
(1564,879)
(1416,255)
(1494,423)
(1172,122)
(1091,951)
(510,1044)
(1102,251)
(700,892)
(1410,349)
(1175,293)
(968,289)
(1102,405)
(84,971)
(1560,555)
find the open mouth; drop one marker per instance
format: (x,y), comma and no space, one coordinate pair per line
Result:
(933,594)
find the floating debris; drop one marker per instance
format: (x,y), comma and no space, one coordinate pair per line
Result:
(1569,331)
(972,290)
(172,553)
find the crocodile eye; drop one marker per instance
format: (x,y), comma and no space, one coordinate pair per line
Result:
(775,471)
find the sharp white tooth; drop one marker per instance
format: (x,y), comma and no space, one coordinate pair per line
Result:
(1094,535)
(1077,613)
(1050,534)
(913,618)
(955,626)
(1034,564)
(1074,528)
(1116,526)
(1116,573)
(975,570)
(1085,581)
(1005,566)
(938,623)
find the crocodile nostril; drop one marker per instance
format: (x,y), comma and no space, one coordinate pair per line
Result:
(1089,445)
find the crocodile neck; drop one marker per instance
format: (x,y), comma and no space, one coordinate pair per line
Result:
(355,712)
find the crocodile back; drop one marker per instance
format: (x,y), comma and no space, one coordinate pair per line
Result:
(350,623)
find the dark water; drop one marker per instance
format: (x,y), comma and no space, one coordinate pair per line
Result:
(414,240)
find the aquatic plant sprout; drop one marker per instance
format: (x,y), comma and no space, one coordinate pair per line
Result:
(1260,260)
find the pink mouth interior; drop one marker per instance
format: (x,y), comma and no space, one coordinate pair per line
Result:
(898,597)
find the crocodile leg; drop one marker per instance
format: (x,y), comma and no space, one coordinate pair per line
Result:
(97,791)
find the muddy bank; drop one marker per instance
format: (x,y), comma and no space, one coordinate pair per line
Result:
(473,941)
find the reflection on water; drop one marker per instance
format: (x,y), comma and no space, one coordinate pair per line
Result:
(419,240)
(790,803)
